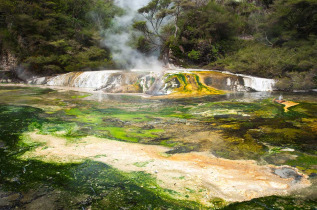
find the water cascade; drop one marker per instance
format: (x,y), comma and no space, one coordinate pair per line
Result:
(155,83)
(258,84)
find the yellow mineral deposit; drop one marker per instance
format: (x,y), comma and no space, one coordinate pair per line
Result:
(207,175)
(288,104)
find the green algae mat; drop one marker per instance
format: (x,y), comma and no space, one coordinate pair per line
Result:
(233,127)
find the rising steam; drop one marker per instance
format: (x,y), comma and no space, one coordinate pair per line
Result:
(117,39)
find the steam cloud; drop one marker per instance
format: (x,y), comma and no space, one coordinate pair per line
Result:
(117,39)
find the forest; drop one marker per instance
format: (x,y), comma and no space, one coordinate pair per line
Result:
(266,38)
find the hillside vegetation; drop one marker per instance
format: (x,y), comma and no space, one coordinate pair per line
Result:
(56,36)
(267,38)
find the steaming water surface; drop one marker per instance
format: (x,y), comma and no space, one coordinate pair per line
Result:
(66,149)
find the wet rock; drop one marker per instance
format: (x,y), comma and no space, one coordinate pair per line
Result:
(183,149)
(280,158)
(287,173)
(4,203)
(228,116)
(114,122)
(47,201)
(35,194)
(83,200)
(7,200)
(148,127)
(13,197)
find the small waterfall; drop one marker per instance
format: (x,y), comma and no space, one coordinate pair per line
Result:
(89,79)
(115,81)
(156,87)
(154,83)
(241,82)
(258,84)
(235,84)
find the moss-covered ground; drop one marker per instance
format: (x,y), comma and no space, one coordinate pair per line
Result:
(247,129)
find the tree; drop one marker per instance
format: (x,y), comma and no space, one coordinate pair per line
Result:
(204,32)
(154,13)
(292,19)
(159,14)
(58,35)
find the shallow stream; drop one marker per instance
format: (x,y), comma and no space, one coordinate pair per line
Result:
(56,150)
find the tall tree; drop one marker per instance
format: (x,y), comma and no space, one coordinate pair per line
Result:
(159,14)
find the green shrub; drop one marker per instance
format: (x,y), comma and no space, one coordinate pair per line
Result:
(194,55)
(265,61)
(298,81)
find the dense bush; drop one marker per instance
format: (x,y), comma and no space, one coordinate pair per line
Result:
(266,61)
(298,81)
(204,31)
(56,36)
